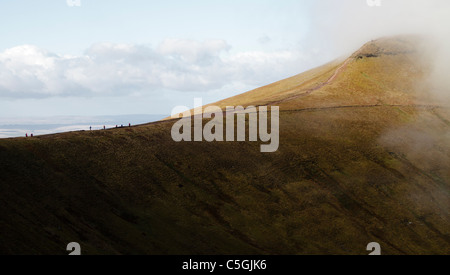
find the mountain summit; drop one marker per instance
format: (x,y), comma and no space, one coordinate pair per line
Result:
(364,156)
(383,71)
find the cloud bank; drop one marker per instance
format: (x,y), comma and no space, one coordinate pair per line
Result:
(121,69)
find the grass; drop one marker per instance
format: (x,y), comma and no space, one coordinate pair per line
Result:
(342,177)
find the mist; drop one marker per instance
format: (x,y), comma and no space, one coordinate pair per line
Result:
(341,27)
(349,23)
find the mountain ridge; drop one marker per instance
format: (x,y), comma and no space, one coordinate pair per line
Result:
(363,158)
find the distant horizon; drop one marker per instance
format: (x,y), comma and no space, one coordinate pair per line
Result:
(19,127)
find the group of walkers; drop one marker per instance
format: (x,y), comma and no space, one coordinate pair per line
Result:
(90,129)
(117,126)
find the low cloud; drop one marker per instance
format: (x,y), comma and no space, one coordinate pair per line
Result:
(341,27)
(124,69)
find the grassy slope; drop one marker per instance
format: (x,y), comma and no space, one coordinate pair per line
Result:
(343,176)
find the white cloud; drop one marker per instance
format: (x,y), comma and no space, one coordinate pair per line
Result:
(192,51)
(252,67)
(123,69)
(264,39)
(343,26)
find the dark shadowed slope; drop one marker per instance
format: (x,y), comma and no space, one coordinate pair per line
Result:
(364,156)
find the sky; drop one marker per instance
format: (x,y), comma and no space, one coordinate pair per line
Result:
(111,57)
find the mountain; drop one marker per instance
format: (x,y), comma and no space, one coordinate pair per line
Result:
(364,156)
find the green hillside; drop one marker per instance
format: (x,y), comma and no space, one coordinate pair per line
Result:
(364,157)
